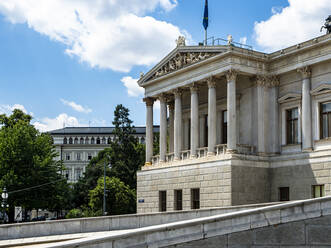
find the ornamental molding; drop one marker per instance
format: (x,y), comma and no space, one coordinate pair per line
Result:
(305,71)
(322,89)
(231,75)
(149,101)
(269,81)
(211,82)
(290,97)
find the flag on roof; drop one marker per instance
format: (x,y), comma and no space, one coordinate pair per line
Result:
(205,16)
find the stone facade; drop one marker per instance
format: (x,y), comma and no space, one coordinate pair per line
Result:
(243,126)
(76,146)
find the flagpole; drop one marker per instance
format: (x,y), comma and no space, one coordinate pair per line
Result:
(205,37)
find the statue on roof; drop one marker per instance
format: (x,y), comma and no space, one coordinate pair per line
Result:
(180,41)
(327,25)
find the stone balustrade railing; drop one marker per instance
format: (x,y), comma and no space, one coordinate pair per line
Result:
(170,157)
(246,149)
(220,149)
(185,154)
(156,159)
(202,152)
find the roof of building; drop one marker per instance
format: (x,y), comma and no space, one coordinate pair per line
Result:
(95,130)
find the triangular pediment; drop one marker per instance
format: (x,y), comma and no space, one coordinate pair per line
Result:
(289,97)
(180,58)
(322,89)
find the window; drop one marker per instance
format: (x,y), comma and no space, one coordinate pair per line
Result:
(109,141)
(195,198)
(103,140)
(178,199)
(81,141)
(98,141)
(70,141)
(67,174)
(76,141)
(89,156)
(317,191)
(87,141)
(284,194)
(65,141)
(78,173)
(224,127)
(325,120)
(292,117)
(163,201)
(92,141)
(142,141)
(78,156)
(67,156)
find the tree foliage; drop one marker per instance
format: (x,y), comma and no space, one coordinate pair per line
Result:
(120,198)
(27,160)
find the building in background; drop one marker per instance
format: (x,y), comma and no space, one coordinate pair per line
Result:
(244,126)
(76,146)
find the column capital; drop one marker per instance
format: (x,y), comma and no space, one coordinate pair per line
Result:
(261,80)
(305,71)
(274,81)
(171,106)
(163,98)
(194,88)
(211,82)
(177,92)
(149,101)
(231,75)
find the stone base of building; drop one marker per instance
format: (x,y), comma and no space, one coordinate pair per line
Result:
(234,179)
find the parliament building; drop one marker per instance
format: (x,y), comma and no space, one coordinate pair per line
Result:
(237,126)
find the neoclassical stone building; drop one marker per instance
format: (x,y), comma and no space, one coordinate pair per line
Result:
(76,146)
(237,126)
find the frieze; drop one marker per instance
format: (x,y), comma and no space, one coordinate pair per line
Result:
(181,60)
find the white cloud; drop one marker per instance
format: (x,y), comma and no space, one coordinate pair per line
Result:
(112,34)
(76,107)
(8,109)
(132,86)
(298,22)
(243,40)
(62,120)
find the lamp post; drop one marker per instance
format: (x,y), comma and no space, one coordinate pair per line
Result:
(4,204)
(104,186)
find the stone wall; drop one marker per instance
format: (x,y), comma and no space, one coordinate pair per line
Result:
(213,179)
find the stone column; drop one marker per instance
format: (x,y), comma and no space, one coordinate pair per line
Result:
(202,127)
(194,121)
(171,126)
(178,124)
(163,128)
(185,134)
(261,83)
(149,130)
(306,109)
(211,116)
(274,114)
(231,77)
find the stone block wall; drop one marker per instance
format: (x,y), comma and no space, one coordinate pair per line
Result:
(300,179)
(212,178)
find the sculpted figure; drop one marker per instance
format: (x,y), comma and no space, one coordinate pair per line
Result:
(180,41)
(178,61)
(327,25)
(172,65)
(201,57)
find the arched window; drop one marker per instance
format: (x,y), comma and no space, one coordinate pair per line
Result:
(87,141)
(76,141)
(142,141)
(70,140)
(81,141)
(104,140)
(109,140)
(92,141)
(98,141)
(65,141)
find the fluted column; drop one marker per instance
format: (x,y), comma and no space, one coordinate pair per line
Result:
(211,116)
(231,77)
(261,83)
(163,128)
(274,114)
(202,128)
(171,126)
(306,109)
(178,124)
(149,130)
(194,121)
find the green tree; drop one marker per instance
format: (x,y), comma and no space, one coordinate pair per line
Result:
(120,198)
(26,161)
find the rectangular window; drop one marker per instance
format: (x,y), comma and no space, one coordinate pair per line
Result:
(292,117)
(178,199)
(163,201)
(195,198)
(284,194)
(318,191)
(78,156)
(224,127)
(78,173)
(325,120)
(89,156)
(67,156)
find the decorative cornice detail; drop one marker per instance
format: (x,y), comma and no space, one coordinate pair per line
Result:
(261,80)
(269,81)
(177,92)
(321,89)
(274,81)
(231,75)
(171,106)
(305,71)
(149,101)
(289,97)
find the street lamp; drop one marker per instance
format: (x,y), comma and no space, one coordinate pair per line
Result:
(104,185)
(4,204)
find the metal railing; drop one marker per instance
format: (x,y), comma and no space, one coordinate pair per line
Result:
(212,41)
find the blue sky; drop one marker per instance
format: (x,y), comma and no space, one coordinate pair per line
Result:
(71,62)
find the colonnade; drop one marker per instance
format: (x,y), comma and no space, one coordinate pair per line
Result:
(176,120)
